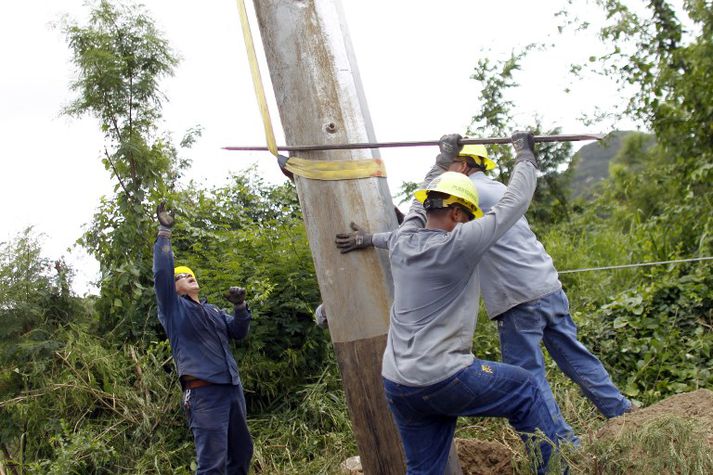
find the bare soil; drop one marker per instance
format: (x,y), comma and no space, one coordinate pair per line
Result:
(481,457)
(484,457)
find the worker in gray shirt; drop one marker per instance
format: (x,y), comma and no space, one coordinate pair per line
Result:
(523,293)
(430,373)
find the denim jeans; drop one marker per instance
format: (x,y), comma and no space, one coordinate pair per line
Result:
(217,417)
(426,416)
(547,320)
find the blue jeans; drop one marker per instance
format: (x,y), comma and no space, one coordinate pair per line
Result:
(426,416)
(217,417)
(547,320)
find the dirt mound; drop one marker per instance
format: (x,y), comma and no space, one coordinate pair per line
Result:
(482,457)
(696,405)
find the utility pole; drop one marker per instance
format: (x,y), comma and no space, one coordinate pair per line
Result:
(320,99)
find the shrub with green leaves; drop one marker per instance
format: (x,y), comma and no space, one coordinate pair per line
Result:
(656,338)
(250,233)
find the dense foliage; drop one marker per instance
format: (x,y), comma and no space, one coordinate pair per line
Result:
(654,326)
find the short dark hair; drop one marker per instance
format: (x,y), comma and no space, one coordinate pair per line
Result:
(470,161)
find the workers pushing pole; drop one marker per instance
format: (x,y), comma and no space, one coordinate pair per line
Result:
(321,101)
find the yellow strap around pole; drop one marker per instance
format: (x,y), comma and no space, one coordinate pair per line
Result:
(314,169)
(336,169)
(257,80)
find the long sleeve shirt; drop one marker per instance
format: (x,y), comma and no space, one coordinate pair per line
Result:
(198,332)
(516,269)
(436,286)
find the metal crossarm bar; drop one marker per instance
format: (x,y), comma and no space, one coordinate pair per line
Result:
(465,141)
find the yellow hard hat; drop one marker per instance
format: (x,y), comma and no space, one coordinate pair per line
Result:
(183,270)
(458,186)
(479,154)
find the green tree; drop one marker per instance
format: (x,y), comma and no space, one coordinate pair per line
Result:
(120,57)
(664,70)
(651,325)
(494,118)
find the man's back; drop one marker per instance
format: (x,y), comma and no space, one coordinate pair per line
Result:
(517,268)
(435,298)
(436,287)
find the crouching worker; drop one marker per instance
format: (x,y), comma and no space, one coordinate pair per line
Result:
(199,335)
(430,373)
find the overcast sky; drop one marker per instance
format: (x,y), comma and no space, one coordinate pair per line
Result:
(415,58)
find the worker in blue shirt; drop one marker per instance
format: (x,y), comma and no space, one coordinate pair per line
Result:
(199,334)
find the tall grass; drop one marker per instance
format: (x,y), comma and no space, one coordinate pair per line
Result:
(310,432)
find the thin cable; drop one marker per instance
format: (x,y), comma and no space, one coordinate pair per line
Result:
(640,264)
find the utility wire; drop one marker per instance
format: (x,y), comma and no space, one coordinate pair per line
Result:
(640,264)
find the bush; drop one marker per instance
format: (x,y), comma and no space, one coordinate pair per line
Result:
(656,337)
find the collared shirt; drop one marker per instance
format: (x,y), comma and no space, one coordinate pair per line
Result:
(516,269)
(198,332)
(436,286)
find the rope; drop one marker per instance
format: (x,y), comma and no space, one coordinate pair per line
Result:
(257,79)
(314,169)
(336,169)
(640,264)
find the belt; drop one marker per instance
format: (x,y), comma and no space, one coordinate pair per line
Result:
(193,383)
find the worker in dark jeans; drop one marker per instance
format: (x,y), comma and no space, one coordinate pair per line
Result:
(430,373)
(523,294)
(199,335)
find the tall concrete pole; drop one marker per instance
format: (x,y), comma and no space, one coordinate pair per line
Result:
(321,100)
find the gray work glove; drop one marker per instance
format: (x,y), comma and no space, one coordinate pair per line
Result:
(236,296)
(282,162)
(450,147)
(165,220)
(524,144)
(359,239)
(399,215)
(320,317)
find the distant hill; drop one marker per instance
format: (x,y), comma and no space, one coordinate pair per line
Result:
(590,164)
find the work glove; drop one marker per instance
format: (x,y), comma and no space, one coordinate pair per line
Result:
(450,147)
(399,215)
(320,317)
(165,220)
(348,242)
(524,144)
(236,296)
(282,162)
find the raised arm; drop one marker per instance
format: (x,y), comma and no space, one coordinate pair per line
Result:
(480,234)
(449,146)
(164,285)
